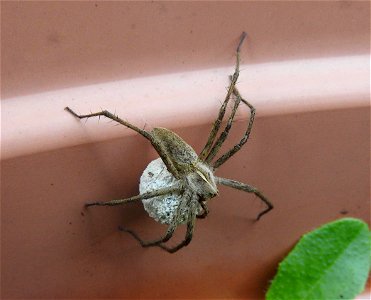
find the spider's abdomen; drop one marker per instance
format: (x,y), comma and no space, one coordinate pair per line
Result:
(181,154)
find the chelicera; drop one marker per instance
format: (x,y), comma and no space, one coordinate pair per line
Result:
(193,176)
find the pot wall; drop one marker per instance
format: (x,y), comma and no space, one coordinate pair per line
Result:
(306,70)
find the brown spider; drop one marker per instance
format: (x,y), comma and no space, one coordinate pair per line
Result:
(193,174)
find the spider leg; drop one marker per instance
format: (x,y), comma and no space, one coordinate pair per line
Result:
(221,160)
(167,236)
(205,151)
(186,241)
(205,211)
(246,188)
(155,142)
(159,192)
(219,142)
(186,200)
(190,228)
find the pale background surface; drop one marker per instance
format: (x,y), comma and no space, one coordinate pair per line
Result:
(305,68)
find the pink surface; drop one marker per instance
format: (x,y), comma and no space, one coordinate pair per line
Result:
(57,44)
(276,88)
(305,68)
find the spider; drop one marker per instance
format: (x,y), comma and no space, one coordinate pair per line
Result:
(194,181)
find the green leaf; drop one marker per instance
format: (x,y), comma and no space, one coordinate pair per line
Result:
(331,262)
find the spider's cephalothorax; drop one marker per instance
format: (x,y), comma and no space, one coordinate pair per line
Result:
(190,178)
(196,174)
(202,181)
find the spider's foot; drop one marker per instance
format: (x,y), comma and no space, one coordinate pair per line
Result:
(243,36)
(133,234)
(71,112)
(92,204)
(263,213)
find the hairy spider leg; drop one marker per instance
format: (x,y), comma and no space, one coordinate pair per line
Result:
(221,160)
(205,210)
(246,188)
(186,200)
(219,142)
(167,236)
(154,141)
(148,195)
(187,239)
(190,227)
(205,151)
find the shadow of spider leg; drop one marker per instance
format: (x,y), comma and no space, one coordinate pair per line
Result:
(210,141)
(246,188)
(156,143)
